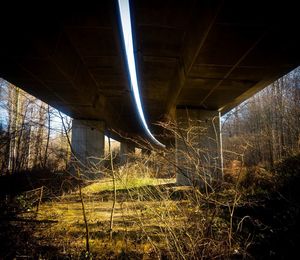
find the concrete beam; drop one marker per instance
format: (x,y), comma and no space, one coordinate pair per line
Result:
(87,142)
(195,38)
(198,146)
(125,150)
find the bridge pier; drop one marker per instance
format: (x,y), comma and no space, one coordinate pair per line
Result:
(198,146)
(125,150)
(87,143)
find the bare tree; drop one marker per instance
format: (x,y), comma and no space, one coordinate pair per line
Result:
(269,122)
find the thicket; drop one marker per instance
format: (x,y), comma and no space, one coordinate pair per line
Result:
(266,127)
(31,135)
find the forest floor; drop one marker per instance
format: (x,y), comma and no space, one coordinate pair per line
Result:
(145,210)
(58,229)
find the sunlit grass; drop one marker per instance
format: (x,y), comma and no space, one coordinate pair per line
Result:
(124,183)
(150,219)
(132,220)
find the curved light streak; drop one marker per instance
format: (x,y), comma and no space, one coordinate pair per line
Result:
(124,11)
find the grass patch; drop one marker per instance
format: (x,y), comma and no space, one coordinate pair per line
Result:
(155,219)
(134,222)
(124,183)
(149,222)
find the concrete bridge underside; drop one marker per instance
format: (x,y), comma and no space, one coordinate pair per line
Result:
(206,55)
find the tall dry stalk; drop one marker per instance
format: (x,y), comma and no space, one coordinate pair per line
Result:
(196,222)
(115,191)
(87,234)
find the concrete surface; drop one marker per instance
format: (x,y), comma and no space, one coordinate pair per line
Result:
(208,55)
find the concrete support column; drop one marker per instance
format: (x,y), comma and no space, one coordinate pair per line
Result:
(198,148)
(125,150)
(87,141)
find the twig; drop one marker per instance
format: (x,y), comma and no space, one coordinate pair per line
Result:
(115,191)
(40,199)
(87,235)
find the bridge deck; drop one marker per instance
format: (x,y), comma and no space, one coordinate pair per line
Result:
(202,54)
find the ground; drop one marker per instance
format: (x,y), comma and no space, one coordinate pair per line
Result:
(154,219)
(59,224)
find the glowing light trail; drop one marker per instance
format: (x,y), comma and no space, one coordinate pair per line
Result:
(124,11)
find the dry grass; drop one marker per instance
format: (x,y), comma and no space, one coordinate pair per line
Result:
(153,219)
(130,231)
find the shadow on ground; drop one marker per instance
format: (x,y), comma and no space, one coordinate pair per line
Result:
(270,225)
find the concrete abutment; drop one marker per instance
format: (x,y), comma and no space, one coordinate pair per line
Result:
(125,150)
(87,144)
(198,146)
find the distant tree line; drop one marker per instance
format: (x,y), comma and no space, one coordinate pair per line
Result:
(29,136)
(266,128)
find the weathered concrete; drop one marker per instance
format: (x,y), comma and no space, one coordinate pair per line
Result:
(125,150)
(87,142)
(197,146)
(204,54)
